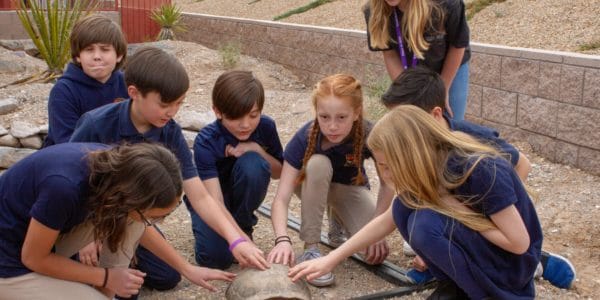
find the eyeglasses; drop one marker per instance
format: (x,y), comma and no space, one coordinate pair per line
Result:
(155,220)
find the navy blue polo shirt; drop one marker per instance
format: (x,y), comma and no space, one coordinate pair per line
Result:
(485,135)
(341,156)
(211,141)
(76,93)
(111,124)
(51,186)
(493,186)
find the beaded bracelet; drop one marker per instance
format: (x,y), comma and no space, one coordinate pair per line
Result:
(283,238)
(105,277)
(236,242)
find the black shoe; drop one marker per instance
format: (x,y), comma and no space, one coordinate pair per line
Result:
(447,290)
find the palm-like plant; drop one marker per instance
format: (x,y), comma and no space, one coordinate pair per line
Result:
(49,27)
(167,16)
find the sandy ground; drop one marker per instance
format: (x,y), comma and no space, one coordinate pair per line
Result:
(568,205)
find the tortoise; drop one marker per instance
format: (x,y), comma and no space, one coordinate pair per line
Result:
(273,283)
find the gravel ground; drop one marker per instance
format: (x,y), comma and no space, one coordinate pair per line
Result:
(568,204)
(562,25)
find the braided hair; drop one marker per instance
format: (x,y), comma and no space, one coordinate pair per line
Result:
(345,87)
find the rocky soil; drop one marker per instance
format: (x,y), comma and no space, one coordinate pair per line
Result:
(568,204)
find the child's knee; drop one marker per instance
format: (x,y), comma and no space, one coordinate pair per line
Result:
(252,164)
(319,165)
(425,225)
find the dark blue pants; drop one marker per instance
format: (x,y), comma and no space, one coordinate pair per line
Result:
(243,192)
(455,252)
(159,275)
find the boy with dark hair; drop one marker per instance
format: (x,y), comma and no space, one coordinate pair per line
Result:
(425,89)
(236,157)
(92,79)
(157,83)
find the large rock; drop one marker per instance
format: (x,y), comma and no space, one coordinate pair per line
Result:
(9,141)
(20,129)
(9,156)
(3,130)
(190,137)
(8,105)
(13,45)
(33,142)
(193,120)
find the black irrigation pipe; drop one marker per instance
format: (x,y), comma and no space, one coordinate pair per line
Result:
(387,270)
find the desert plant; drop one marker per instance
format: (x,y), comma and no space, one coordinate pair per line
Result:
(230,54)
(590,46)
(168,17)
(476,6)
(301,9)
(49,26)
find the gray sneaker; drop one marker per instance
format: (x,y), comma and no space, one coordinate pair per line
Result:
(325,280)
(336,235)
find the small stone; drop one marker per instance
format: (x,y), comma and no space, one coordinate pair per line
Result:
(3,130)
(9,156)
(33,142)
(43,129)
(9,141)
(20,129)
(192,120)
(8,105)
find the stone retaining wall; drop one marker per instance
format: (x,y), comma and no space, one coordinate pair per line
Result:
(547,98)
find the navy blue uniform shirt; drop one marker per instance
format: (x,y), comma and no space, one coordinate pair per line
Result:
(211,141)
(74,94)
(341,156)
(455,33)
(111,124)
(493,186)
(485,135)
(51,186)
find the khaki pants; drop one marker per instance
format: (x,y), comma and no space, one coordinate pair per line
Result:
(353,205)
(37,286)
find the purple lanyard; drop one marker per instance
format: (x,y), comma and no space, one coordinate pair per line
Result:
(401,45)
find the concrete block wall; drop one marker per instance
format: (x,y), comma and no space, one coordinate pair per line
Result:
(549,99)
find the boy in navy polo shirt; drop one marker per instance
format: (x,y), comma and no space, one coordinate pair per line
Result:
(425,89)
(236,157)
(93,79)
(147,117)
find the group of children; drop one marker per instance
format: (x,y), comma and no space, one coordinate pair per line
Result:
(454,190)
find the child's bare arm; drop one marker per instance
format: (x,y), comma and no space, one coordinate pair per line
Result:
(523,167)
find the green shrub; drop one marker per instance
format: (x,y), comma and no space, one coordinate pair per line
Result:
(168,17)
(230,53)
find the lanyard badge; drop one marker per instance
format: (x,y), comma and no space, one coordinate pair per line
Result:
(401,44)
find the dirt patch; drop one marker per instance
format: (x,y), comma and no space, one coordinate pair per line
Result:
(568,205)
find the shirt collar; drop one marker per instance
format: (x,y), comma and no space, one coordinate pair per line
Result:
(126,127)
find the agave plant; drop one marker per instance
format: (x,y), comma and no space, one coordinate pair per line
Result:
(167,16)
(49,25)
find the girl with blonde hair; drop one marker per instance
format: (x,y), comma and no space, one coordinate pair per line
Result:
(459,204)
(429,33)
(324,163)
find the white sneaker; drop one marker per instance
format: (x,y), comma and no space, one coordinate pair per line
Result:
(407,250)
(312,253)
(336,235)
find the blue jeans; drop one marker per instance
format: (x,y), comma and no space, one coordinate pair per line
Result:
(159,275)
(243,192)
(459,92)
